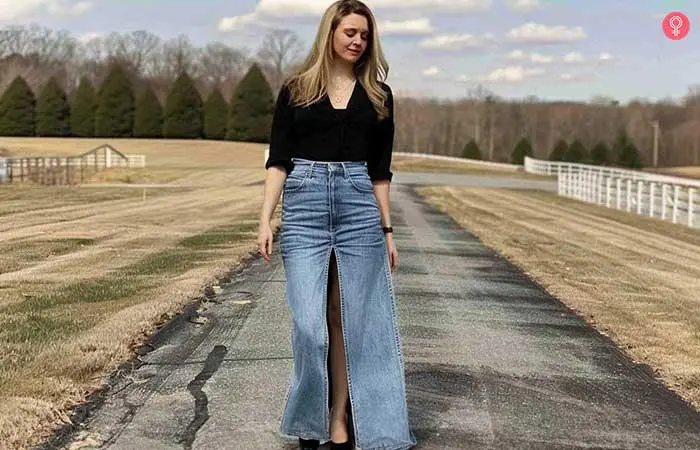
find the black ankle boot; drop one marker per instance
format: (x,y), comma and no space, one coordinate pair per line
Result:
(308,444)
(347,445)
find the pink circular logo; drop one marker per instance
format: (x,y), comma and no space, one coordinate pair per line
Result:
(676,25)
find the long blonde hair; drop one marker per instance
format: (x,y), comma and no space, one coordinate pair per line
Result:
(309,84)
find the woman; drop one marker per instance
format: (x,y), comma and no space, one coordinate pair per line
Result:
(330,154)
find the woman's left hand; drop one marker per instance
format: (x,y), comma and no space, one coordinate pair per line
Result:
(393,254)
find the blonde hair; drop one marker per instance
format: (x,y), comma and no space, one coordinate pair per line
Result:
(309,84)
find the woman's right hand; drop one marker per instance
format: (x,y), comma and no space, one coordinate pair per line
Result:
(265,240)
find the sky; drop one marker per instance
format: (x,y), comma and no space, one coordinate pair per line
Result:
(552,49)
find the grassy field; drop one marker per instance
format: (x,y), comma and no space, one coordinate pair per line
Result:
(87,272)
(412,164)
(634,278)
(685,171)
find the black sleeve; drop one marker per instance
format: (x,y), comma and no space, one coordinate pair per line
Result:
(281,141)
(379,162)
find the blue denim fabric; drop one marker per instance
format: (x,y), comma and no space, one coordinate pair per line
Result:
(330,206)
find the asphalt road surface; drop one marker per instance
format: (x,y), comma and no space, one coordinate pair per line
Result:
(492,362)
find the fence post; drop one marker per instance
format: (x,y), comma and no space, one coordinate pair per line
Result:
(608,189)
(691,206)
(676,197)
(618,195)
(640,189)
(663,201)
(629,195)
(652,198)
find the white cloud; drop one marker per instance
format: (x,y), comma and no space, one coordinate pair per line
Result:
(573,58)
(11,10)
(270,10)
(543,34)
(431,71)
(537,58)
(234,23)
(524,5)
(416,26)
(605,57)
(455,42)
(511,74)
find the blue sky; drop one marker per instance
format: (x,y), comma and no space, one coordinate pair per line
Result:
(554,49)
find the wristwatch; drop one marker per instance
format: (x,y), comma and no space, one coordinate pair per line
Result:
(388,229)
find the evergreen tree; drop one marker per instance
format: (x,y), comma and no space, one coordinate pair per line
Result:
(148,115)
(184,115)
(559,151)
(599,154)
(252,106)
(82,116)
(471,150)
(521,149)
(576,152)
(115,105)
(626,154)
(18,110)
(215,116)
(52,111)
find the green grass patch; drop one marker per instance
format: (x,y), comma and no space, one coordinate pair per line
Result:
(22,254)
(36,329)
(104,289)
(52,315)
(221,236)
(175,260)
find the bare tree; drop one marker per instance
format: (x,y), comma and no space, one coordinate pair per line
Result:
(221,67)
(279,49)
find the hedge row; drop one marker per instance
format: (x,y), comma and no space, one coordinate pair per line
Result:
(113,111)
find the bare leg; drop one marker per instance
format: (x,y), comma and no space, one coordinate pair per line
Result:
(339,430)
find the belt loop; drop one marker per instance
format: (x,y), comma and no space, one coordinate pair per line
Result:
(311,168)
(345,170)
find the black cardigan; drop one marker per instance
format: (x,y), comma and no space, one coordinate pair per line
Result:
(320,132)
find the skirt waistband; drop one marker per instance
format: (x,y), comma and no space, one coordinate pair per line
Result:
(327,167)
(303,162)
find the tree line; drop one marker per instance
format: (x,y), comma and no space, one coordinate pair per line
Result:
(114,110)
(622,153)
(582,131)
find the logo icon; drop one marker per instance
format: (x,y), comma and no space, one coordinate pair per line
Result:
(676,25)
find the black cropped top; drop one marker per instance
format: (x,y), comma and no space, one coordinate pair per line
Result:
(320,132)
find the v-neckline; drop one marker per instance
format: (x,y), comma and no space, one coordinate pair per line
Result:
(347,106)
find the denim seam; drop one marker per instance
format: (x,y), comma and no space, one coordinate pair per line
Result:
(349,177)
(326,419)
(397,339)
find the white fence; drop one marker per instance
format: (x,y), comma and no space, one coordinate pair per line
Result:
(455,159)
(668,198)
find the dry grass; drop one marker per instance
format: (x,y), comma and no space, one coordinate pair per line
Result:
(167,161)
(86,273)
(411,164)
(634,278)
(686,171)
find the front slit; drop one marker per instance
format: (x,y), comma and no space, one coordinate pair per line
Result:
(352,432)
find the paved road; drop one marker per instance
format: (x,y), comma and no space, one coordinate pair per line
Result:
(484,181)
(492,362)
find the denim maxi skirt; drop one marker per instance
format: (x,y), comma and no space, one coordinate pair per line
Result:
(326,207)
